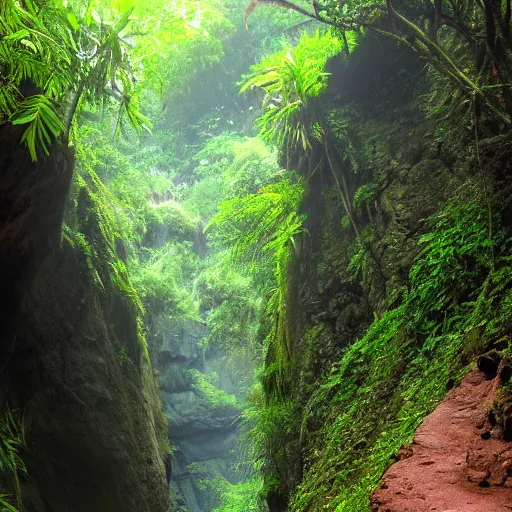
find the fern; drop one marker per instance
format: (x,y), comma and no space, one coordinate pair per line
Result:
(68,56)
(290,80)
(259,226)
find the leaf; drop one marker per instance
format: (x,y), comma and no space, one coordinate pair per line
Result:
(73,21)
(38,113)
(20,34)
(7,506)
(23,120)
(29,44)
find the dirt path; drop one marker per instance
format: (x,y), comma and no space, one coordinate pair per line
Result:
(456,462)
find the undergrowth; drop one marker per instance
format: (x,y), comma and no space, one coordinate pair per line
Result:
(11,463)
(374,398)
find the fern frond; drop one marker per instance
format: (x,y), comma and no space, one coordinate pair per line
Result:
(11,464)
(290,79)
(8,100)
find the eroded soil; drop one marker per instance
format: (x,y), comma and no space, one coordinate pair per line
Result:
(457,461)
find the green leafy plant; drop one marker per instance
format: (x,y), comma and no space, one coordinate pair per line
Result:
(159,281)
(259,227)
(11,463)
(44,124)
(242,497)
(291,80)
(363,195)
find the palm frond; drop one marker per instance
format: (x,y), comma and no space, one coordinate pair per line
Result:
(43,123)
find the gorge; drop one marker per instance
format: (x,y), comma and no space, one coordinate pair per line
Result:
(255,258)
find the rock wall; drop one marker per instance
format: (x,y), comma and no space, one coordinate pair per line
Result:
(72,357)
(203,433)
(400,167)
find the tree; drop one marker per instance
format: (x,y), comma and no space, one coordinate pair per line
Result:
(481,24)
(55,54)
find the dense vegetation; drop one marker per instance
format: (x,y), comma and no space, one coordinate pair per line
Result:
(334,230)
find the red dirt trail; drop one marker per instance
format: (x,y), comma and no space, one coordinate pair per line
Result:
(456,463)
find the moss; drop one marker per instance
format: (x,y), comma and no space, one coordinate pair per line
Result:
(92,230)
(171,217)
(373,399)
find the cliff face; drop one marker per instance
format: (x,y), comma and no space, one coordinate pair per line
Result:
(202,426)
(388,313)
(74,362)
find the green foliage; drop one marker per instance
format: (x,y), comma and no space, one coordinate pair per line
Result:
(363,195)
(231,305)
(377,394)
(81,54)
(460,245)
(179,39)
(261,227)
(130,186)
(360,265)
(290,81)
(122,356)
(11,464)
(269,423)
(262,230)
(172,216)
(159,280)
(252,166)
(438,39)
(214,397)
(92,230)
(38,113)
(228,166)
(33,48)
(69,51)
(242,497)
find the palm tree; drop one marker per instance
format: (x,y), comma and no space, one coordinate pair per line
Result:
(66,56)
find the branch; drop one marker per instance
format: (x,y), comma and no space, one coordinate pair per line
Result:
(287,5)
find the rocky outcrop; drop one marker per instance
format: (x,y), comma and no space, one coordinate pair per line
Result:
(72,357)
(403,170)
(458,461)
